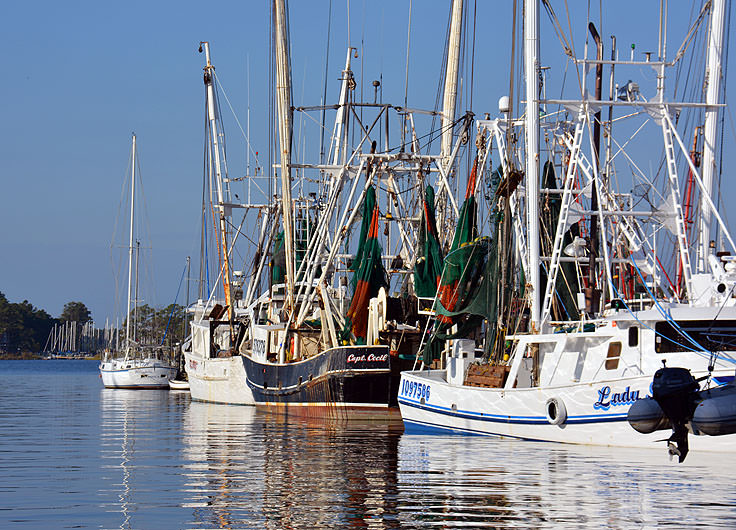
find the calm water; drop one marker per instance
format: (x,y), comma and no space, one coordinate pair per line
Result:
(74,455)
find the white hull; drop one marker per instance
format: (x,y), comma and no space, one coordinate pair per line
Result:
(429,403)
(177,384)
(136,373)
(218,380)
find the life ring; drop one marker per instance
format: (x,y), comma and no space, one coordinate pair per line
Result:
(556,411)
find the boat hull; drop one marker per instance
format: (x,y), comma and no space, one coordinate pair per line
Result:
(217,380)
(595,413)
(136,374)
(178,384)
(350,382)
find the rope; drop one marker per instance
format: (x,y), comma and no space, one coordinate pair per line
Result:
(173,306)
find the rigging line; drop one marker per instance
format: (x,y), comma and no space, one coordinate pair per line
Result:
(664,313)
(670,339)
(240,126)
(441,77)
(572,47)
(324,92)
(693,31)
(557,27)
(509,135)
(173,306)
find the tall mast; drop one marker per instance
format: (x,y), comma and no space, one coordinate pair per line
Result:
(531,60)
(340,136)
(186,311)
(135,300)
(130,247)
(283,99)
(592,297)
(209,75)
(451,73)
(713,76)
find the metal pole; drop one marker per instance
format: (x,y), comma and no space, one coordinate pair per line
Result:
(531,55)
(713,79)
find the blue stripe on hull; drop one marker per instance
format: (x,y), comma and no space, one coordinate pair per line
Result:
(516,420)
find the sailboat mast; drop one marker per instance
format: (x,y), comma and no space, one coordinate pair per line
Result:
(212,117)
(130,248)
(135,301)
(713,80)
(531,56)
(283,98)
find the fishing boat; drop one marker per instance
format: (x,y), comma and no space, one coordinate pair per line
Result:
(346,259)
(135,365)
(588,284)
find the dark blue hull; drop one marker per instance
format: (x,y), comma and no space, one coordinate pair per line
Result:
(362,379)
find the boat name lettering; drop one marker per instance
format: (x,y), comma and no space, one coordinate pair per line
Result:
(607,400)
(413,389)
(371,357)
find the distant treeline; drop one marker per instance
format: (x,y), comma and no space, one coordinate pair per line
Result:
(158,326)
(25,328)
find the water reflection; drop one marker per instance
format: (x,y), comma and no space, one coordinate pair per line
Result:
(248,469)
(138,438)
(256,470)
(473,481)
(75,455)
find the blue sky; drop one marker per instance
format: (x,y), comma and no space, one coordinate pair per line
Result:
(81,76)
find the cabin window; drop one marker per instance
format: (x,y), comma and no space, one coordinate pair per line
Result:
(688,335)
(613,356)
(633,336)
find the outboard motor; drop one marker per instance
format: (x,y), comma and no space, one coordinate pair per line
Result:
(676,392)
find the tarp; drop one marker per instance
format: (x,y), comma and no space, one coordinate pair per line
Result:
(428,266)
(465,232)
(278,262)
(370,275)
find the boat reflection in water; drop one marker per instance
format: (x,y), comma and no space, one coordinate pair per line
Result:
(247,467)
(473,482)
(139,444)
(168,462)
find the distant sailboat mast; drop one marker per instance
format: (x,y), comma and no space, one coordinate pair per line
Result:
(130,249)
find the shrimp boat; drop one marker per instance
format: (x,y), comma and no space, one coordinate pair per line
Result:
(588,284)
(345,258)
(136,366)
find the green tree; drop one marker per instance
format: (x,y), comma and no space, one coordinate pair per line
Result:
(22,326)
(75,312)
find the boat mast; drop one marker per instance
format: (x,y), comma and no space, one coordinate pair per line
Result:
(713,80)
(449,100)
(209,75)
(283,99)
(592,294)
(135,299)
(130,248)
(531,56)
(341,120)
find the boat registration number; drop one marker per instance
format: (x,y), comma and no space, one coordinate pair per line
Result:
(414,389)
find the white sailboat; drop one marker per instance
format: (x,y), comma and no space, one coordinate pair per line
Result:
(590,305)
(137,366)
